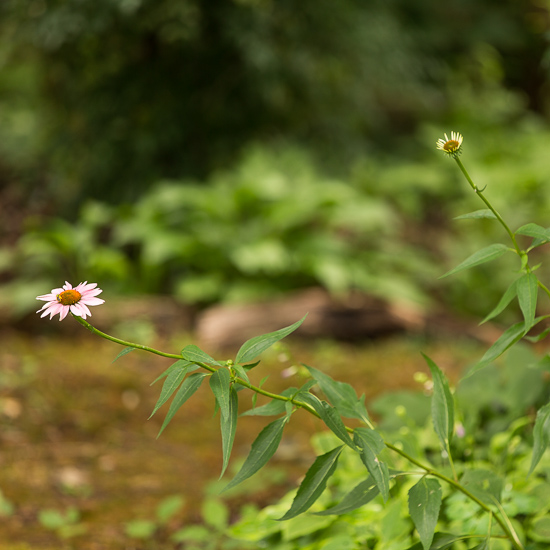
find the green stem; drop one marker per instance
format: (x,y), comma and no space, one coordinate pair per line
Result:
(429,471)
(489,205)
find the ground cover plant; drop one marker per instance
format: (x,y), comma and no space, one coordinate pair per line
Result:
(474,478)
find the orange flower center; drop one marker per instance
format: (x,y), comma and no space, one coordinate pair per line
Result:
(69,297)
(451,145)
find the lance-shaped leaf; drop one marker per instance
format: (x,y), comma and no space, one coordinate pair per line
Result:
(195,354)
(507,297)
(123,352)
(314,483)
(329,415)
(262,450)
(253,347)
(220,383)
(508,338)
(541,435)
(360,495)
(482,256)
(442,405)
(478,214)
(274,407)
(341,395)
(175,376)
(527,290)
(535,231)
(424,505)
(189,386)
(371,445)
(229,427)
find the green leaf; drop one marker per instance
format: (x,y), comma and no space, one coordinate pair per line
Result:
(478,214)
(173,380)
(507,297)
(262,450)
(196,355)
(482,256)
(229,427)
(541,435)
(168,508)
(253,347)
(178,364)
(220,382)
(484,484)
(123,352)
(442,405)
(188,388)
(482,545)
(527,289)
(241,372)
(508,338)
(371,445)
(314,483)
(341,395)
(441,541)
(424,505)
(535,231)
(359,496)
(329,415)
(273,408)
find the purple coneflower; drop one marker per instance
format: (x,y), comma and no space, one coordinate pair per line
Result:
(76,300)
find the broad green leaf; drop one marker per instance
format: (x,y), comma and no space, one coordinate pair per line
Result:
(508,338)
(535,231)
(371,444)
(188,388)
(541,435)
(314,483)
(478,214)
(359,496)
(442,405)
(482,256)
(241,372)
(274,407)
(123,352)
(329,415)
(341,395)
(173,380)
(262,450)
(196,355)
(484,484)
(229,427)
(441,541)
(253,347)
(424,505)
(507,297)
(482,545)
(178,364)
(527,289)
(220,382)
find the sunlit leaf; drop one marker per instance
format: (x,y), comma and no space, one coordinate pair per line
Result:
(314,483)
(262,450)
(541,435)
(482,256)
(424,505)
(371,445)
(442,405)
(441,541)
(187,389)
(253,347)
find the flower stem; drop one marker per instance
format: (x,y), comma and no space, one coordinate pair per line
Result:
(489,205)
